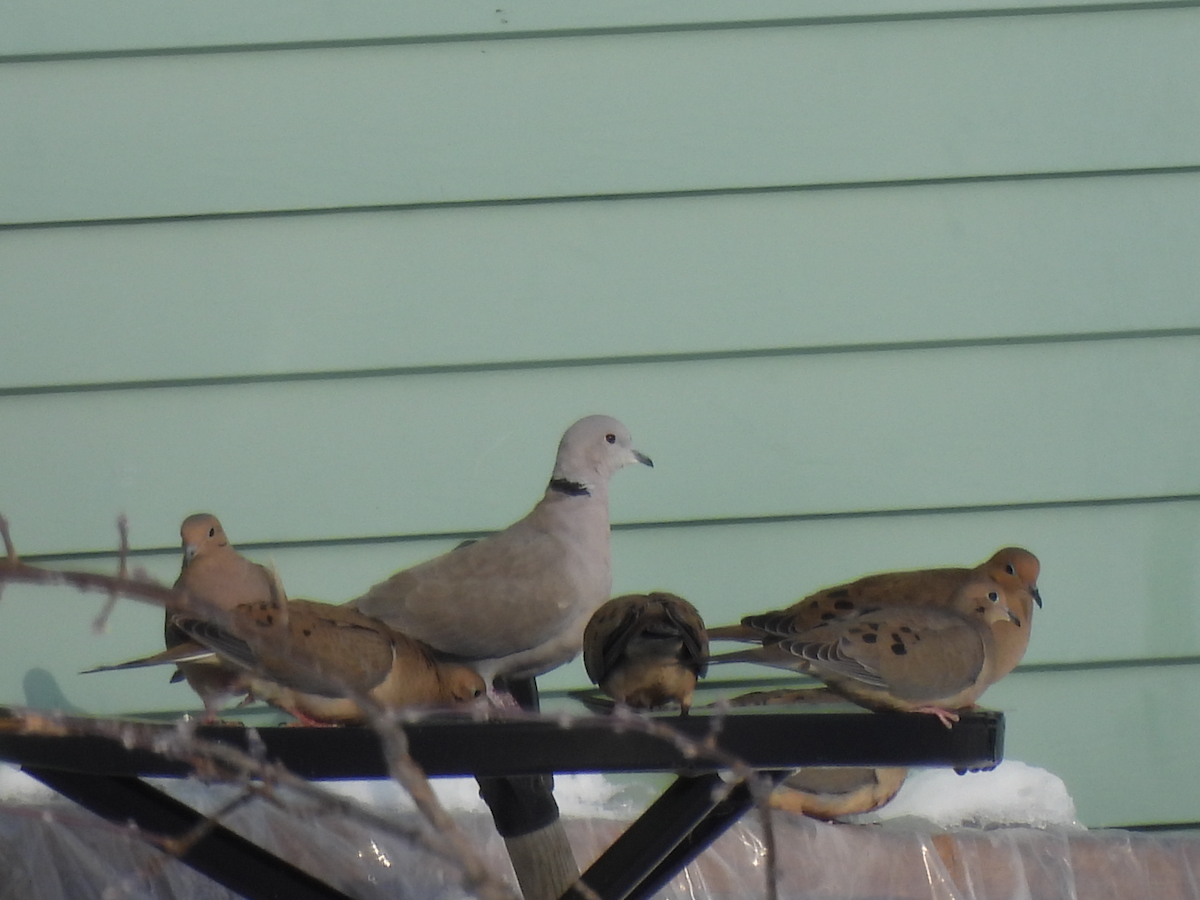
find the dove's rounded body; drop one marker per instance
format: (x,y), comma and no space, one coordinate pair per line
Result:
(909,658)
(516,603)
(316,660)
(213,572)
(1016,570)
(646,650)
(834,792)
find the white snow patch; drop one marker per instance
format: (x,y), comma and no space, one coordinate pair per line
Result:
(587,795)
(584,795)
(1012,794)
(17,787)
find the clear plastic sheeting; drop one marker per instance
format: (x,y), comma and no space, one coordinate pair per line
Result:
(52,850)
(1013,793)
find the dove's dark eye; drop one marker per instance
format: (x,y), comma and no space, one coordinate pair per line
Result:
(212,532)
(994,597)
(611,438)
(1010,569)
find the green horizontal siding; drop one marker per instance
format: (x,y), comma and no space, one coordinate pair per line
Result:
(751,437)
(1125,609)
(843,285)
(34,28)
(1111,580)
(698,110)
(1083,725)
(1123,740)
(587,280)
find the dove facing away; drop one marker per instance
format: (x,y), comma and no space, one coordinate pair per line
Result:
(516,603)
(314,659)
(646,650)
(907,658)
(1013,568)
(214,571)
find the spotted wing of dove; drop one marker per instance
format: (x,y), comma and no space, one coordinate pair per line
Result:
(216,573)
(1013,568)
(516,603)
(316,660)
(905,658)
(646,650)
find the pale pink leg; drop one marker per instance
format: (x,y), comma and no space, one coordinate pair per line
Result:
(945,716)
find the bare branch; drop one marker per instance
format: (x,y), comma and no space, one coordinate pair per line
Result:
(441,834)
(100,623)
(218,761)
(123,537)
(10,551)
(404,769)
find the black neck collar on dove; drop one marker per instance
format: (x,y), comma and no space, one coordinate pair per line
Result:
(568,487)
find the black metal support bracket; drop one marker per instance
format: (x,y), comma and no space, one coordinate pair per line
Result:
(104,776)
(225,857)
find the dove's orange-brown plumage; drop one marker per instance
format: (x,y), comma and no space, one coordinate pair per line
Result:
(646,650)
(215,572)
(907,658)
(314,659)
(834,792)
(1013,568)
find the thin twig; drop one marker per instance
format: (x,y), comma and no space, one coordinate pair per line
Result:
(217,760)
(443,837)
(9,550)
(100,623)
(478,878)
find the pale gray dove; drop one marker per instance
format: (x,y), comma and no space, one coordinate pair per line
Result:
(909,658)
(646,650)
(516,603)
(1013,568)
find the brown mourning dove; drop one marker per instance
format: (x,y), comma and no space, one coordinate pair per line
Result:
(833,792)
(646,650)
(1013,568)
(825,792)
(218,574)
(909,658)
(312,659)
(516,603)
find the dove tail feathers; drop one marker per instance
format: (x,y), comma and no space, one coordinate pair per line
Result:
(737,632)
(172,657)
(737,656)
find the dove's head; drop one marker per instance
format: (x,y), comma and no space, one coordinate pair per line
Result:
(986,600)
(1015,567)
(462,684)
(201,533)
(592,449)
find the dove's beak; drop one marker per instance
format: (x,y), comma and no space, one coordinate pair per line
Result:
(189,552)
(1037,598)
(643,459)
(1014,618)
